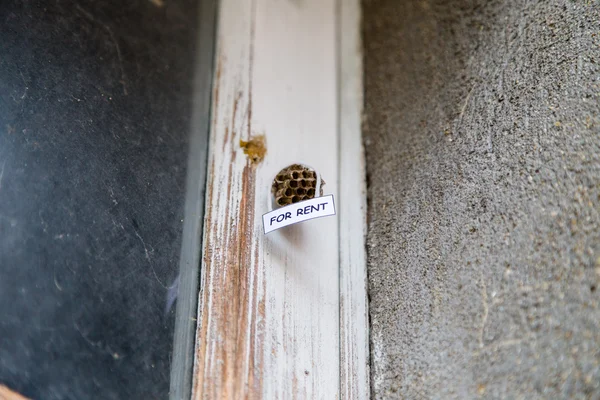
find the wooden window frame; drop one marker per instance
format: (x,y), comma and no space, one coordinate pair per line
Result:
(284,315)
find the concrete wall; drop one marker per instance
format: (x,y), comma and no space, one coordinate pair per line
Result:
(483,148)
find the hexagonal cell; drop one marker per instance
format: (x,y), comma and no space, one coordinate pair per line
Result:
(295,183)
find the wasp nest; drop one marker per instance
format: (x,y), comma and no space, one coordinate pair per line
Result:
(296,183)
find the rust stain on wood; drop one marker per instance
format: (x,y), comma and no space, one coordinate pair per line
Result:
(229,364)
(229,354)
(236,103)
(234,299)
(218,72)
(226,138)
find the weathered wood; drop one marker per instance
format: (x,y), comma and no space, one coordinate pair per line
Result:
(354,321)
(269,305)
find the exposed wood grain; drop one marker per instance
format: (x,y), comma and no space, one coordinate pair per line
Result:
(269,308)
(354,321)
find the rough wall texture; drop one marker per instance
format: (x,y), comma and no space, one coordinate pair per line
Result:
(483,148)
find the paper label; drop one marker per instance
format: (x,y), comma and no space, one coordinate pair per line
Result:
(309,209)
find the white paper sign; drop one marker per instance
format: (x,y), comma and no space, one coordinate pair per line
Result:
(314,208)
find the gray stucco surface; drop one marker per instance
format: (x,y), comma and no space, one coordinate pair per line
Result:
(482,137)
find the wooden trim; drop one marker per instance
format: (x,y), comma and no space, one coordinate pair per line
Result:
(269,307)
(354,319)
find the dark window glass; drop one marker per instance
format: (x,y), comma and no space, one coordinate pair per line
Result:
(95,110)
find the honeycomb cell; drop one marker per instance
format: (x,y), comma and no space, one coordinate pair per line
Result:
(294,184)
